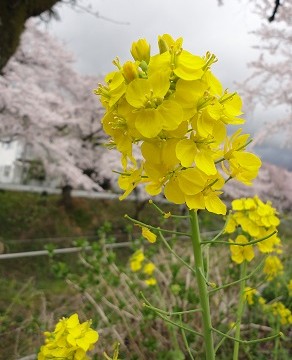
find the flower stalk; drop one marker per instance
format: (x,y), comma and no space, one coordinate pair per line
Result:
(202,286)
(240,309)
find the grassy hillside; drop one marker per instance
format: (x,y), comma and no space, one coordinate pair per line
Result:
(31,296)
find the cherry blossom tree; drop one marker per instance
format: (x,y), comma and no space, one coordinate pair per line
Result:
(270,84)
(44,102)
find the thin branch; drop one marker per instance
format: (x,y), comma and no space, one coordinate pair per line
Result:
(272,17)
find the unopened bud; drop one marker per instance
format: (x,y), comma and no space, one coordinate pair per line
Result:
(162,44)
(130,71)
(141,50)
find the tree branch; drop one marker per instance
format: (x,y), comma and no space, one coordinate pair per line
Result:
(272,17)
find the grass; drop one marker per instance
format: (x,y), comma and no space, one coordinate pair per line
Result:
(32,298)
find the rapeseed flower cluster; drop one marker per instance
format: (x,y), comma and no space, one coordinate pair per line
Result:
(276,308)
(273,267)
(279,310)
(171,108)
(138,263)
(255,220)
(249,294)
(70,340)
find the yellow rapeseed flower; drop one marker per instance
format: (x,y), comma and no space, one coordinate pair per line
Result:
(69,340)
(148,268)
(149,235)
(249,294)
(136,260)
(273,267)
(150,281)
(279,310)
(175,112)
(259,220)
(241,253)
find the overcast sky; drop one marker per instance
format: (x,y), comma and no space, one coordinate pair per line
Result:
(205,26)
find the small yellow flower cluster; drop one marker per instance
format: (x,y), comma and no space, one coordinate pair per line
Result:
(174,110)
(256,220)
(280,310)
(70,340)
(289,287)
(273,267)
(137,264)
(249,294)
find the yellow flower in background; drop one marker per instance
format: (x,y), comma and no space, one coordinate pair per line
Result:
(151,281)
(262,301)
(69,340)
(259,220)
(279,310)
(149,235)
(273,267)
(241,253)
(136,260)
(173,109)
(149,268)
(289,287)
(249,294)
(272,244)
(146,270)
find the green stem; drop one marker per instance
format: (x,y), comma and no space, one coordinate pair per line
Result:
(259,267)
(240,310)
(166,319)
(186,340)
(203,291)
(247,342)
(240,244)
(168,313)
(171,329)
(277,342)
(140,223)
(175,254)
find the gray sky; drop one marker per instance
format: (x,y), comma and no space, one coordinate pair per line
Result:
(205,26)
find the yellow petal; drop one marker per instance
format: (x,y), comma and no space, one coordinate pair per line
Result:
(72,321)
(205,163)
(149,235)
(159,84)
(186,150)
(191,181)
(137,91)
(195,201)
(172,113)
(214,204)
(149,122)
(173,192)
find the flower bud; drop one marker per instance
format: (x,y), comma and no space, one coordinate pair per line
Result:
(130,71)
(162,44)
(141,50)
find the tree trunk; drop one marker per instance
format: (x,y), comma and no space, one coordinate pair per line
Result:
(66,197)
(13,15)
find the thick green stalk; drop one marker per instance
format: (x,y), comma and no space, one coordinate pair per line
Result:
(240,310)
(203,291)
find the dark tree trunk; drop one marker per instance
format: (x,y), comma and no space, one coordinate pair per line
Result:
(66,197)
(13,15)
